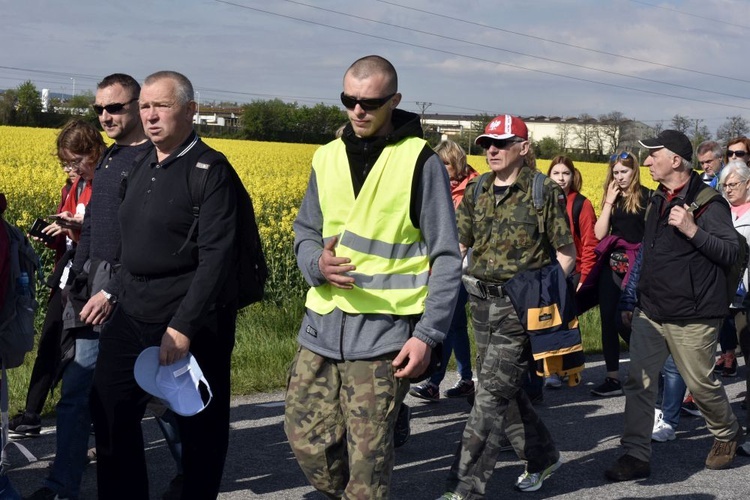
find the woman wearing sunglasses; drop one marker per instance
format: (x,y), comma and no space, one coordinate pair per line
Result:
(620,229)
(738,149)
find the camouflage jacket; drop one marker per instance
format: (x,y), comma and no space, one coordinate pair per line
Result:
(504,235)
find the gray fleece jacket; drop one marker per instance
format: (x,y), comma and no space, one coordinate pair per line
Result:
(342,336)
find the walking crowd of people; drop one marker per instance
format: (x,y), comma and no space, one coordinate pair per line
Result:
(395,239)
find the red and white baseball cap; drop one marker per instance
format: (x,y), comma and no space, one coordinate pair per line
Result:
(503,127)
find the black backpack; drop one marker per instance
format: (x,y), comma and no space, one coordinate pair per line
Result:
(736,271)
(252,270)
(19,309)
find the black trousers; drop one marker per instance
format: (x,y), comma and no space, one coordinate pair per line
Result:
(118,405)
(47,355)
(609,298)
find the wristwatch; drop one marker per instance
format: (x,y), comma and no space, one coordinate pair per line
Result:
(110,298)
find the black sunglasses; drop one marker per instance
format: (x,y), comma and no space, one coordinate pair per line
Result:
(739,153)
(499,143)
(113,108)
(370,104)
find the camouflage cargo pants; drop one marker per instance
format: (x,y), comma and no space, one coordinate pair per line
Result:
(339,420)
(500,404)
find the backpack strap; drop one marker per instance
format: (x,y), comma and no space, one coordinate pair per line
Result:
(577,208)
(537,195)
(197,179)
(480,181)
(702,198)
(538,199)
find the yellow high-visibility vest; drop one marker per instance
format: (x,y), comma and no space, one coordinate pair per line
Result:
(374,231)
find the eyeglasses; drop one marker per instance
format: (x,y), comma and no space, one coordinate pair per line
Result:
(112,109)
(622,156)
(368,104)
(74,164)
(739,153)
(499,143)
(730,185)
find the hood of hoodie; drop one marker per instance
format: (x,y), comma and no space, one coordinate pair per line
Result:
(362,153)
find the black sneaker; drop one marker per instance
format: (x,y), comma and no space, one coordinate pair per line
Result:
(730,366)
(426,390)
(402,430)
(628,468)
(25,424)
(174,491)
(462,389)
(610,387)
(688,406)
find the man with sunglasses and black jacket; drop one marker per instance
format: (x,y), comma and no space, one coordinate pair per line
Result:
(376,240)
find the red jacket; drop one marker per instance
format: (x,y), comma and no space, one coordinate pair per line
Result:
(459,188)
(585,245)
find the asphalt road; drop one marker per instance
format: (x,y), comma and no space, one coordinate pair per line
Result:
(586,429)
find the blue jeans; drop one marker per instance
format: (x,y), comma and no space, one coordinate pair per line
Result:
(170,428)
(74,419)
(674,392)
(457,341)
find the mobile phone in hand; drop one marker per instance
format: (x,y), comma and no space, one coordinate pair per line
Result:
(36,231)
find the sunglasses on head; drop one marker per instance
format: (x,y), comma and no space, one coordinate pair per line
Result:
(622,156)
(369,104)
(113,108)
(739,153)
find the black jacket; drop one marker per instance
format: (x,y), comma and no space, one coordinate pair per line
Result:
(686,279)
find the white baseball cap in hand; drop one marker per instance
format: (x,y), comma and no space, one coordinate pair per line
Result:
(178,384)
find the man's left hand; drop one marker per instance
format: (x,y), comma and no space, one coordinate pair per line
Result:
(683,220)
(174,347)
(413,359)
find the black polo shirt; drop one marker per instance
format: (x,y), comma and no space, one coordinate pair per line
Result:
(158,284)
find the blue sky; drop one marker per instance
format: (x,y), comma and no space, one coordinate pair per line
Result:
(649,59)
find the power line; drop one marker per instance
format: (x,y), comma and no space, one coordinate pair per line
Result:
(565,44)
(705,18)
(410,44)
(547,59)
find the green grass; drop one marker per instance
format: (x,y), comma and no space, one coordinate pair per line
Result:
(265,345)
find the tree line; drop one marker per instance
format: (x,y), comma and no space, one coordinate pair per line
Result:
(588,138)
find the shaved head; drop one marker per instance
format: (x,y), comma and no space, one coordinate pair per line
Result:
(368,66)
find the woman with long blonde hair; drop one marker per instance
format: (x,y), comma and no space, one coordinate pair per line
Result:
(620,227)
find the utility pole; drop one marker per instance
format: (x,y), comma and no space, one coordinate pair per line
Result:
(423,107)
(198,108)
(74,86)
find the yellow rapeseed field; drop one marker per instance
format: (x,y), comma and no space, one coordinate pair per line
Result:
(275,175)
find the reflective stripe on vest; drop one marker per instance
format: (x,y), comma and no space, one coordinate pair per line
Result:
(374,231)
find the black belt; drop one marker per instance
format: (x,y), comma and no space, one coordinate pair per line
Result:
(492,289)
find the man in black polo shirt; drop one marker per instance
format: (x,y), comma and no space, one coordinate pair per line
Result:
(172,294)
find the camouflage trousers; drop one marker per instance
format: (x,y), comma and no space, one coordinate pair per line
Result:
(339,420)
(500,406)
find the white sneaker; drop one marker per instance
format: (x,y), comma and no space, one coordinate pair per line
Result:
(658,417)
(662,432)
(553,381)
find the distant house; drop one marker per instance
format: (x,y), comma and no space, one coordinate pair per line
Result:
(218,117)
(582,134)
